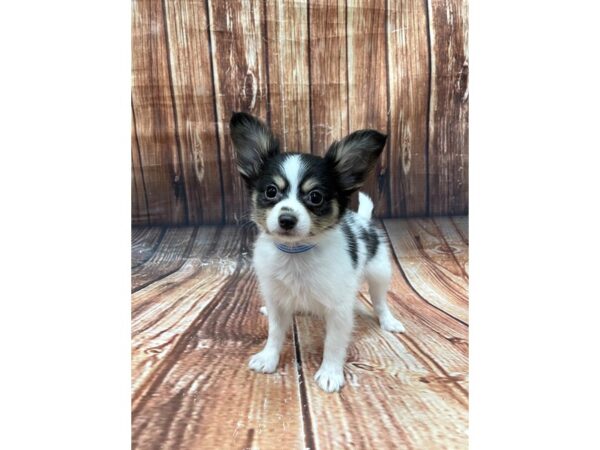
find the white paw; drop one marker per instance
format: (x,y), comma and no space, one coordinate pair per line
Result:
(330,380)
(263,310)
(391,324)
(264,361)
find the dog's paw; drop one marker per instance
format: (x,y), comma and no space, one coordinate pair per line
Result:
(391,324)
(264,362)
(263,311)
(329,379)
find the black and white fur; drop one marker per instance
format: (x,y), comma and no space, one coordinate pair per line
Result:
(303,199)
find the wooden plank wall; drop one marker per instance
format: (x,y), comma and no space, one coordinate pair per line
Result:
(314,70)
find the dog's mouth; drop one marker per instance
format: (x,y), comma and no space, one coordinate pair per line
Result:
(288,236)
(286,233)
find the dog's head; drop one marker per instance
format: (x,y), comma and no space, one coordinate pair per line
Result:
(295,196)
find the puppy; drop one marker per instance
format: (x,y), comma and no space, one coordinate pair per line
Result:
(312,252)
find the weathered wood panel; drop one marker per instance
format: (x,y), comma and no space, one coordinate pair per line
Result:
(394,395)
(194,328)
(461,223)
(192,337)
(429,265)
(408,64)
(367,86)
(169,256)
(238,58)
(164,309)
(187,26)
(154,116)
(455,241)
(287,49)
(315,71)
(144,242)
(449,107)
(139,203)
(402,391)
(328,73)
(444,249)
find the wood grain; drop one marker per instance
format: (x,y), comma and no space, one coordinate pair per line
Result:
(169,256)
(449,107)
(408,66)
(194,328)
(189,51)
(461,223)
(367,86)
(328,73)
(156,323)
(429,265)
(238,59)
(287,47)
(455,240)
(139,202)
(402,391)
(144,241)
(444,249)
(315,71)
(154,116)
(199,392)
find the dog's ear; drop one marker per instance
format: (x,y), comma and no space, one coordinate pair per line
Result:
(354,157)
(253,142)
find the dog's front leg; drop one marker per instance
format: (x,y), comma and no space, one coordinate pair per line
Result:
(339,322)
(279,322)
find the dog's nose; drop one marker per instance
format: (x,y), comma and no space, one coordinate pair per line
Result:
(287,221)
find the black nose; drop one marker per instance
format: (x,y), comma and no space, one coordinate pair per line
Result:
(287,221)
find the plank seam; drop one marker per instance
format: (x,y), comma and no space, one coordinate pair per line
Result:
(143,306)
(464,239)
(417,293)
(180,345)
(428,361)
(309,55)
(427,260)
(427,140)
(215,111)
(175,119)
(347,70)
(389,109)
(163,231)
(139,150)
(265,30)
(450,248)
(309,438)
(184,257)
(135,311)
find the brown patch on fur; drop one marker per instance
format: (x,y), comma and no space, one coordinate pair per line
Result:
(322,223)
(309,184)
(259,215)
(279,181)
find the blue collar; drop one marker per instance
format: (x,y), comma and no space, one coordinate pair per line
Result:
(300,248)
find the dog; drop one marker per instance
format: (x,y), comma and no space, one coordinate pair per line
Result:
(312,252)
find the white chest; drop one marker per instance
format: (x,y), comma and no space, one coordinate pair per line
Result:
(308,281)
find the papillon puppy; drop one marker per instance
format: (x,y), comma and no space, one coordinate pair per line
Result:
(312,252)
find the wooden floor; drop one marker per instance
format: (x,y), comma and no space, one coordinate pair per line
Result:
(196,321)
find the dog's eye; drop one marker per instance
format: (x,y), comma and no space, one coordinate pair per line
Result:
(315,198)
(271,191)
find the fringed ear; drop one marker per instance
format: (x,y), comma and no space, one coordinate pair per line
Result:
(355,156)
(253,142)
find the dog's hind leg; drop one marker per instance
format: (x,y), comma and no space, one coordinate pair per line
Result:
(378,274)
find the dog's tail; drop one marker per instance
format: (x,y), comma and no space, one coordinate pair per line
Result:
(365,205)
